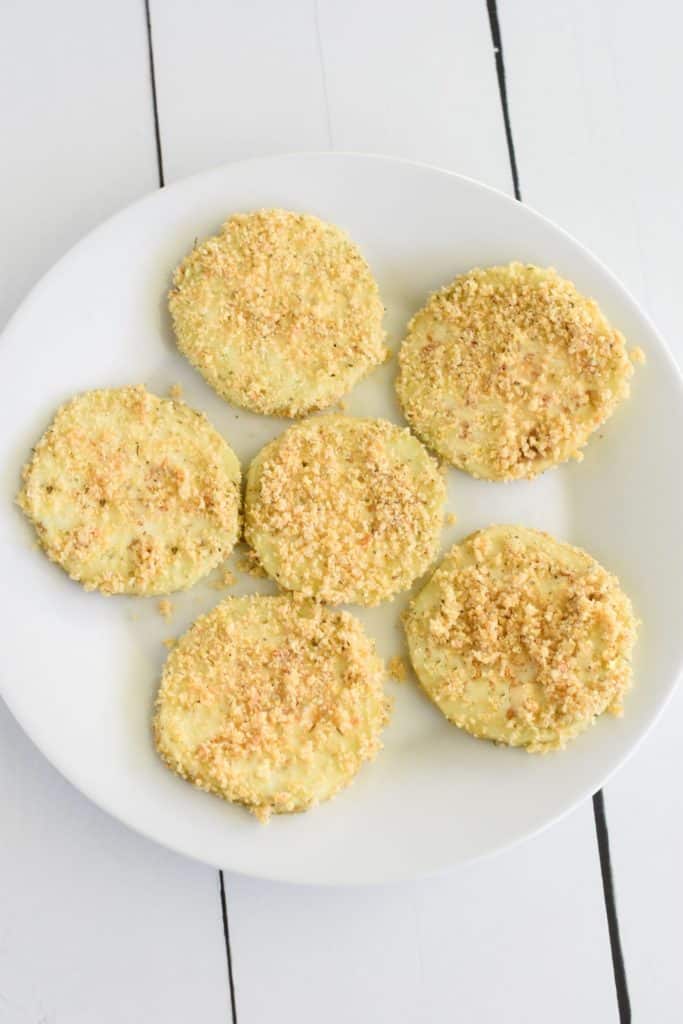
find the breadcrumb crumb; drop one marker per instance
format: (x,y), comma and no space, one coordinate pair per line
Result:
(226,580)
(250,564)
(397,668)
(165,608)
(176,392)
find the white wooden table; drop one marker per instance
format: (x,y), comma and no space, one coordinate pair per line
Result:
(577,108)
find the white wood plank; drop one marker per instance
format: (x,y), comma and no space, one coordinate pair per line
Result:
(418,82)
(415,80)
(335,955)
(514,938)
(96,923)
(78,139)
(595,94)
(236,80)
(521,937)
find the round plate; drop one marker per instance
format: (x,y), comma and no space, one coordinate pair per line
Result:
(79,671)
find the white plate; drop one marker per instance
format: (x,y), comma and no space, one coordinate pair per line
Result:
(79,671)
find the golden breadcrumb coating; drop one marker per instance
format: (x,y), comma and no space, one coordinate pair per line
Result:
(508,371)
(279,312)
(344,509)
(522,639)
(272,702)
(131,493)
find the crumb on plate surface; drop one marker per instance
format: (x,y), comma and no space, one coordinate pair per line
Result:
(225,580)
(397,668)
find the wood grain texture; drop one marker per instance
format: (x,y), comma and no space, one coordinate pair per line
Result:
(78,139)
(494,941)
(97,923)
(415,81)
(235,81)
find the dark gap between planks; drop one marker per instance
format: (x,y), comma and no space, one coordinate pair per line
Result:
(160,169)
